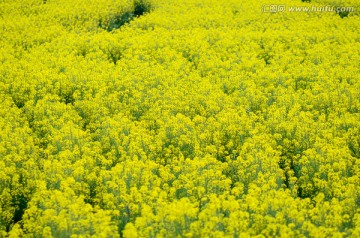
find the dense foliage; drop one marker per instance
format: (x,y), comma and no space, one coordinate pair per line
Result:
(188,118)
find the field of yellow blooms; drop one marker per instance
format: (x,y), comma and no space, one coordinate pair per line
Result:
(186,118)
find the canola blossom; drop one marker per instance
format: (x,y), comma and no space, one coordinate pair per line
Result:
(187,118)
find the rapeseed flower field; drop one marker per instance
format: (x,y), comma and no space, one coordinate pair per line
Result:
(186,118)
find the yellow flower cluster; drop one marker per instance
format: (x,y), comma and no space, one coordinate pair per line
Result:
(188,118)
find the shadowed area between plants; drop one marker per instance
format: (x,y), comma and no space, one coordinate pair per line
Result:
(140,8)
